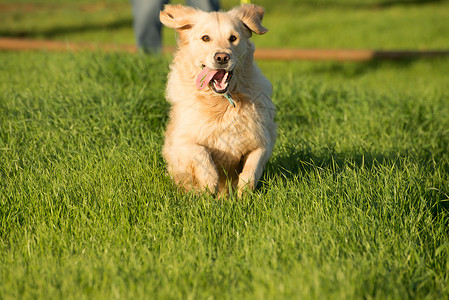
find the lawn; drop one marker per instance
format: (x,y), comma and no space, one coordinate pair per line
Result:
(353,203)
(372,24)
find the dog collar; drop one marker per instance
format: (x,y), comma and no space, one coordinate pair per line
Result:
(229,97)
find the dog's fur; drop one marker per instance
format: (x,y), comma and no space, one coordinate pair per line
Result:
(209,144)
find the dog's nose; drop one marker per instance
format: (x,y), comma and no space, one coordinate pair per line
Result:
(222,58)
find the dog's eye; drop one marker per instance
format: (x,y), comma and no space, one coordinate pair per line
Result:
(205,38)
(233,38)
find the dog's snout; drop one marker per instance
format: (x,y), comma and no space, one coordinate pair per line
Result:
(222,57)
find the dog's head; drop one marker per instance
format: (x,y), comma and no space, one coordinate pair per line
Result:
(217,41)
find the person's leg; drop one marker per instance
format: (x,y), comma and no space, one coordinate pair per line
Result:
(147,27)
(206,5)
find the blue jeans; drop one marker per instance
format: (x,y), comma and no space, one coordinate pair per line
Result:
(147,27)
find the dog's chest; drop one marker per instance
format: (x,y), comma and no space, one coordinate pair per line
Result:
(237,132)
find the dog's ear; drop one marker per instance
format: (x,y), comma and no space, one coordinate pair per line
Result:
(178,17)
(251,15)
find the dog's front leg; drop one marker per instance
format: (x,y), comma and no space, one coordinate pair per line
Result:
(194,167)
(254,163)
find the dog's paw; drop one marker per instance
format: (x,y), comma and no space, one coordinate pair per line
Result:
(245,185)
(210,184)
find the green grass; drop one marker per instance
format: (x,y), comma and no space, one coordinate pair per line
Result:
(371,24)
(396,27)
(354,203)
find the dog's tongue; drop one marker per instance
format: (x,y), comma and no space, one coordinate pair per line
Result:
(205,77)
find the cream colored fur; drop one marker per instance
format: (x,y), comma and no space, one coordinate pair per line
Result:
(210,144)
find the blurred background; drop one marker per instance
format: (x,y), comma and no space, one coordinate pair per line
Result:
(325,24)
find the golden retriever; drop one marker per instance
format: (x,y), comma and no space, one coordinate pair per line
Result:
(221,131)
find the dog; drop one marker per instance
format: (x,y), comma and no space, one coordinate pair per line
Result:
(221,130)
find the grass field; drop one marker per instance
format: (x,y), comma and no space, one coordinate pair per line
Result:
(372,24)
(354,203)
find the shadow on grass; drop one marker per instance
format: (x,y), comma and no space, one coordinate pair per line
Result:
(355,69)
(292,163)
(389,3)
(67,30)
(368,4)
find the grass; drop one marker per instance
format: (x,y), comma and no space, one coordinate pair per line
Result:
(353,203)
(395,27)
(325,24)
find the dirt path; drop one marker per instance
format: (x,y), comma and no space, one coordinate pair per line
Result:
(13,44)
(87,7)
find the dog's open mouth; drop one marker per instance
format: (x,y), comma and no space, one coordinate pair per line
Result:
(218,79)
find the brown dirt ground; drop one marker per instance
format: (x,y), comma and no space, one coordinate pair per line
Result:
(16,44)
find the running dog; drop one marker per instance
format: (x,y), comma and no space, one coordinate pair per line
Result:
(221,131)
